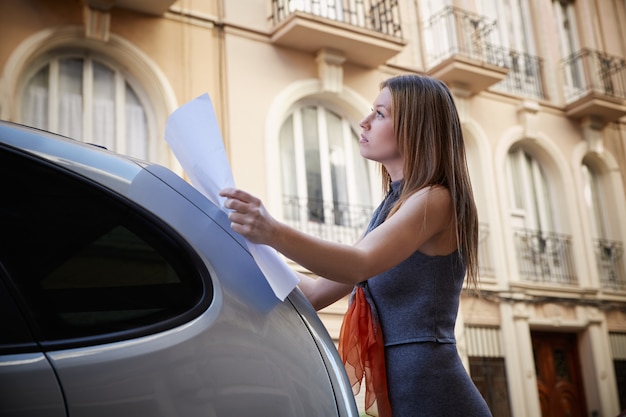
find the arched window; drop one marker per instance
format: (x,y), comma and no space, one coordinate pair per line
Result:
(596,201)
(544,255)
(609,249)
(87,99)
(573,65)
(528,192)
(474,165)
(325,180)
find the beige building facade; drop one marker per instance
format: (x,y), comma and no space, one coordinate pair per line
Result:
(541,89)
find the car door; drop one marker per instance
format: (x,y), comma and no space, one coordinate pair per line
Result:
(145,305)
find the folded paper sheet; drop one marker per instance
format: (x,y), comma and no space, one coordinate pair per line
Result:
(195,138)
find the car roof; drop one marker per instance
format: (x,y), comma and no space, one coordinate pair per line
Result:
(111,169)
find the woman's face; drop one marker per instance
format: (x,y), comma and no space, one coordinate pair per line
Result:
(378,141)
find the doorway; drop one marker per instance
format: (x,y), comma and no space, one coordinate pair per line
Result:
(559,380)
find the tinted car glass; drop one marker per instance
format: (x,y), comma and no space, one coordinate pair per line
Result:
(14,333)
(87,263)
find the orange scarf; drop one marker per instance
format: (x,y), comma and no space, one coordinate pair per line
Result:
(363,354)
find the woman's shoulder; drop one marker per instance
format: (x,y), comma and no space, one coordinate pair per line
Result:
(435,197)
(431,211)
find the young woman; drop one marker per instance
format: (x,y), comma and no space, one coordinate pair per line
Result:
(407,271)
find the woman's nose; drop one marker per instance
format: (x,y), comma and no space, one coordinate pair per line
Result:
(365,122)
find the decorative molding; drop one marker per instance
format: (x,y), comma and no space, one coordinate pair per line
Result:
(330,69)
(97,23)
(527,112)
(592,131)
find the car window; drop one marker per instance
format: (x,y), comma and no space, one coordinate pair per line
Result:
(85,262)
(14,333)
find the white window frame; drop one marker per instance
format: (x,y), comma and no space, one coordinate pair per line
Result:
(120,84)
(595,200)
(356,184)
(566,25)
(514,31)
(529,191)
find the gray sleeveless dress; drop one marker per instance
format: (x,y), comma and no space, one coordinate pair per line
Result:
(417,302)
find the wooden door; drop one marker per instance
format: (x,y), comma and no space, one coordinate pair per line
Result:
(559,379)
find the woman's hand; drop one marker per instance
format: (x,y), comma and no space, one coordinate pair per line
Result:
(248,216)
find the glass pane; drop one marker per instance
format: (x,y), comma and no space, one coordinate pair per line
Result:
(541,196)
(620,376)
(361,172)
(136,126)
(103,106)
(71,98)
(14,332)
(344,215)
(288,170)
(338,172)
(35,101)
(313,165)
(593,198)
(85,262)
(514,175)
(561,366)
(288,158)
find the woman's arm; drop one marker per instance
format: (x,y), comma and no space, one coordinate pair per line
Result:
(424,220)
(322,292)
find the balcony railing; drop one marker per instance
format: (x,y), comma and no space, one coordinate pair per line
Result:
(610,264)
(335,221)
(524,77)
(346,223)
(381,16)
(459,53)
(544,257)
(589,71)
(454,31)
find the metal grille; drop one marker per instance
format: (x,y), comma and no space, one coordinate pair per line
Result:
(454,31)
(618,345)
(483,342)
(589,71)
(335,221)
(544,257)
(382,16)
(524,77)
(610,264)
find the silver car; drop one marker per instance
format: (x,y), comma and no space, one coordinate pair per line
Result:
(124,292)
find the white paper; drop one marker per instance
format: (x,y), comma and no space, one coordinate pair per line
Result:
(193,134)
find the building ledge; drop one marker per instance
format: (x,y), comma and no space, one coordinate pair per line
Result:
(310,33)
(597,105)
(152,7)
(470,74)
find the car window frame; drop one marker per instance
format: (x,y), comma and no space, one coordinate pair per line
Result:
(202,273)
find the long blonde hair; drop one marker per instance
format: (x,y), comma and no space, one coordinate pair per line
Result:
(428,130)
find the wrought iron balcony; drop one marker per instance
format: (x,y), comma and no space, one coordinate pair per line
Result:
(544,257)
(346,223)
(610,264)
(595,85)
(458,51)
(524,77)
(366,32)
(335,221)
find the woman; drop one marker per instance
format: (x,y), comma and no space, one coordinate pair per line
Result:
(406,273)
